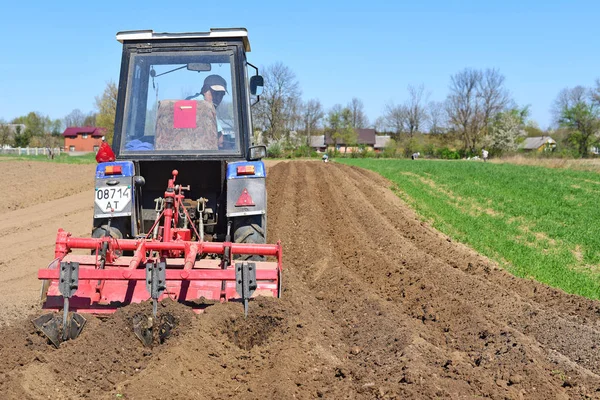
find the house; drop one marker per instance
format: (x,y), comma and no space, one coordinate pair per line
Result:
(539,143)
(85,139)
(318,143)
(366,138)
(381,142)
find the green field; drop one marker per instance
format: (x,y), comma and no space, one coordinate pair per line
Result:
(64,158)
(536,222)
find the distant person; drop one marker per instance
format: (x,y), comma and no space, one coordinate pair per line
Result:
(484,154)
(325,158)
(415,155)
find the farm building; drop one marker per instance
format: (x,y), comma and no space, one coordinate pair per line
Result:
(381,142)
(366,137)
(539,143)
(83,138)
(318,143)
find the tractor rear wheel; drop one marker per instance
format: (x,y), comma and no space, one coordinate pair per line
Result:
(101,231)
(250,230)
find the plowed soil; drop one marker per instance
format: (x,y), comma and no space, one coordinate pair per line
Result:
(376,305)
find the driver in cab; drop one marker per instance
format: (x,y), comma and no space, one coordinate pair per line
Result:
(213,90)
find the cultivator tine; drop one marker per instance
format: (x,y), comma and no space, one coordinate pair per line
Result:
(142,327)
(245,282)
(50,325)
(65,331)
(156,280)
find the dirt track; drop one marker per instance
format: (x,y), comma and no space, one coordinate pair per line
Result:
(376,305)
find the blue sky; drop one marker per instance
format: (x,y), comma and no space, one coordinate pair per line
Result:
(57,56)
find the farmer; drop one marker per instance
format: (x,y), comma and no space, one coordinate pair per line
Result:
(415,155)
(214,90)
(484,154)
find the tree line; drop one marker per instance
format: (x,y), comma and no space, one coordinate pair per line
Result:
(38,130)
(478,112)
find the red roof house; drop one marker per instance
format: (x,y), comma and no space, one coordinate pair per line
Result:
(83,138)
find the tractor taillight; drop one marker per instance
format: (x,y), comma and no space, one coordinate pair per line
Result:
(245,170)
(113,170)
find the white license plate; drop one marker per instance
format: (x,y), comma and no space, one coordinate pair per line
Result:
(113,198)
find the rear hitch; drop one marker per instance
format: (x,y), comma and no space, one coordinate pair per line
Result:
(72,324)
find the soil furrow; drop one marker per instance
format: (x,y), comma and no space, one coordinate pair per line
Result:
(376,305)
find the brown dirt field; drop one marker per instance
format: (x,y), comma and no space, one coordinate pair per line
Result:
(376,305)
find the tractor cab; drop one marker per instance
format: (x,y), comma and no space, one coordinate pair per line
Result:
(184,96)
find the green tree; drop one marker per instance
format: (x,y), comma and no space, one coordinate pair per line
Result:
(21,138)
(106,107)
(40,131)
(340,127)
(5,133)
(35,124)
(582,120)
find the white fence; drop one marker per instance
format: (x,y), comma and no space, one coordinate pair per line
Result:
(32,151)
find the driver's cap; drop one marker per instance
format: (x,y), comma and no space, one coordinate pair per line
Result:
(216,83)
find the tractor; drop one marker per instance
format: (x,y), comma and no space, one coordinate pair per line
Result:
(180,202)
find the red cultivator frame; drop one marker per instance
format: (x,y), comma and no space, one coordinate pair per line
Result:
(169,265)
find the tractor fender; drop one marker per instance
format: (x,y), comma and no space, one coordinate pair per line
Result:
(246,189)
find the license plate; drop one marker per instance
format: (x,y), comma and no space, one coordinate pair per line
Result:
(113,198)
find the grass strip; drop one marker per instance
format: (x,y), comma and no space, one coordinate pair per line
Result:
(537,222)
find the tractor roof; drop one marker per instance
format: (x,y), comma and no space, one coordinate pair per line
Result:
(215,33)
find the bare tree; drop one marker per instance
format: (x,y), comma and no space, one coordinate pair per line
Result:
(494,97)
(74,118)
(567,98)
(394,117)
(279,106)
(595,93)
(416,112)
(437,117)
(380,124)
(312,115)
(474,100)
(462,105)
(359,118)
(90,119)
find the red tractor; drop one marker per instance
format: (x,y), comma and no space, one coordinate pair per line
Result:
(180,203)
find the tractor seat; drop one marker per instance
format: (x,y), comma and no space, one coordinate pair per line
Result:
(186,125)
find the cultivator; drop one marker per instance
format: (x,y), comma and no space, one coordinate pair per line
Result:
(164,263)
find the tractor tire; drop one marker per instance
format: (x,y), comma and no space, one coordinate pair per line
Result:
(250,230)
(100,232)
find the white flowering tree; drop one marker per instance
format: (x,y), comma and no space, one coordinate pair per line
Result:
(506,129)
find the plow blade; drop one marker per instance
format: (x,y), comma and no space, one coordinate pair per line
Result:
(51,325)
